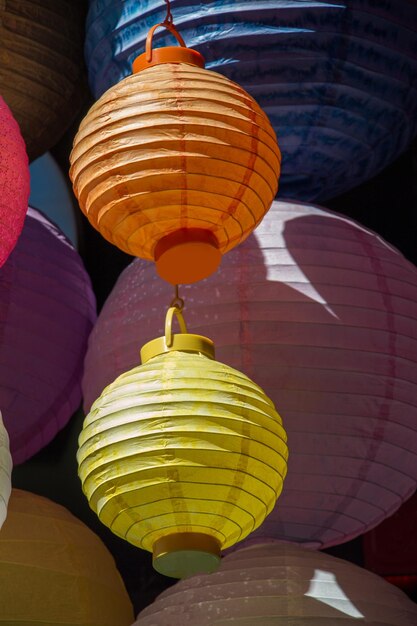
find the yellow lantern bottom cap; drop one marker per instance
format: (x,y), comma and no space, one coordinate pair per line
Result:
(181,555)
(187,256)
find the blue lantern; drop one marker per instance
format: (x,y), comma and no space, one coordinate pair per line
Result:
(337,79)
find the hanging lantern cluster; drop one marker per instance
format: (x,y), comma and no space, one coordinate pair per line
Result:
(322,313)
(41,67)
(334,78)
(175,164)
(14,182)
(54,570)
(47,310)
(182,456)
(5,471)
(274,583)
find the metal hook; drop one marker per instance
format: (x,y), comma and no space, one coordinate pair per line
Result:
(177,302)
(168,18)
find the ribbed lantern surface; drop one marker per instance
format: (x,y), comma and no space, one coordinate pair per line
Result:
(14,182)
(47,309)
(41,67)
(175,154)
(54,570)
(338,80)
(322,313)
(282,585)
(182,444)
(5,472)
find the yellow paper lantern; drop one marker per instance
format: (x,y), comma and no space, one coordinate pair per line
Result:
(175,164)
(182,456)
(54,570)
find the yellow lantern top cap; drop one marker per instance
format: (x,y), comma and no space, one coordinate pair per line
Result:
(167,54)
(182,342)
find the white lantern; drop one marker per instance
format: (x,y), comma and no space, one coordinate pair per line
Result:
(281,584)
(5,471)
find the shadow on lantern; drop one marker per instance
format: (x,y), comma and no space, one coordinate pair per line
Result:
(377,377)
(330,304)
(256,325)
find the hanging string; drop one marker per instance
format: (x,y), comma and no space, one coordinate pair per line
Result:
(168,18)
(177,302)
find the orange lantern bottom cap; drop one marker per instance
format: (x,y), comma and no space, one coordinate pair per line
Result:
(187,255)
(181,555)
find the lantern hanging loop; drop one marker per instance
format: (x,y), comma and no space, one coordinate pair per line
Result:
(169,26)
(173,310)
(182,341)
(177,302)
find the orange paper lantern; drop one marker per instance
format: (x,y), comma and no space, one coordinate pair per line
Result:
(175,164)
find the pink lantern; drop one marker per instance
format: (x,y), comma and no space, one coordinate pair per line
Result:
(281,584)
(322,314)
(14,181)
(47,310)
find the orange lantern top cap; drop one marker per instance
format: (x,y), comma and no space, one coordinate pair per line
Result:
(167,54)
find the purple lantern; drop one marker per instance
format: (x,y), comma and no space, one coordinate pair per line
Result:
(322,314)
(47,309)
